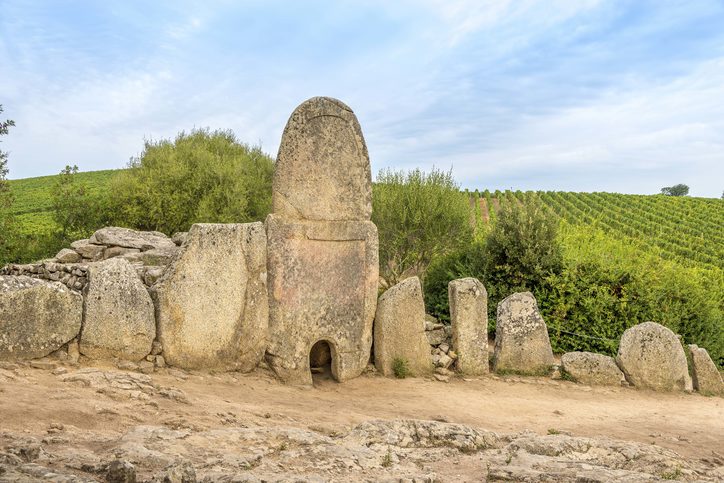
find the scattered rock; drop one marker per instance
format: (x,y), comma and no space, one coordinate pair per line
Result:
(706,377)
(590,368)
(400,331)
(88,250)
(521,337)
(68,256)
(179,237)
(120,471)
(651,357)
(469,321)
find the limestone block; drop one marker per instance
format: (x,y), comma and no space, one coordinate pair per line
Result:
(400,329)
(651,357)
(124,237)
(706,377)
(322,287)
(212,300)
(521,337)
(322,170)
(469,321)
(36,317)
(119,317)
(591,368)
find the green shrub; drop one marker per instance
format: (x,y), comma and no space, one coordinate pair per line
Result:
(400,368)
(202,176)
(419,216)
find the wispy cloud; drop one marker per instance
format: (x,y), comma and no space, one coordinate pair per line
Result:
(582,95)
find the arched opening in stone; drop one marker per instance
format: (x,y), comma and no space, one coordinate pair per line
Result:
(320,361)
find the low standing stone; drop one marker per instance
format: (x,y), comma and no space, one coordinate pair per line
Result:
(469,322)
(651,357)
(521,337)
(36,317)
(400,329)
(212,301)
(119,314)
(706,377)
(590,368)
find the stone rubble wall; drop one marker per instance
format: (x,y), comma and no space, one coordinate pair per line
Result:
(74,276)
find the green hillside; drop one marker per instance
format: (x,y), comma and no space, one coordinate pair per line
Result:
(33,202)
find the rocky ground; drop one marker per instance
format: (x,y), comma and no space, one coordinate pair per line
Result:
(101,423)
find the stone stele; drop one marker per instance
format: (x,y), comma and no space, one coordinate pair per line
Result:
(322,246)
(400,329)
(118,317)
(652,357)
(706,377)
(521,337)
(469,321)
(212,301)
(36,317)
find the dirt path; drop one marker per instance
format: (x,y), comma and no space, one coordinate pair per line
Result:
(33,399)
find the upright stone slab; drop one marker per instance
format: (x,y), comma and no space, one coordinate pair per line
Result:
(469,321)
(36,317)
(322,246)
(706,377)
(118,319)
(521,337)
(212,301)
(651,357)
(400,329)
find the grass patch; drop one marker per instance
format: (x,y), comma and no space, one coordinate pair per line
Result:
(400,368)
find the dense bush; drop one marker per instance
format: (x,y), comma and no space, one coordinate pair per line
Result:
(419,216)
(608,286)
(519,254)
(202,176)
(7,220)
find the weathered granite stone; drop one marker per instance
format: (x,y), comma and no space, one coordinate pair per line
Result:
(67,255)
(212,300)
(322,248)
(469,321)
(400,329)
(322,286)
(651,357)
(124,237)
(88,250)
(436,336)
(119,316)
(179,237)
(521,337)
(706,377)
(159,256)
(112,252)
(322,170)
(591,368)
(36,317)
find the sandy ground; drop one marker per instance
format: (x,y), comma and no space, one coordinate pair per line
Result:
(691,425)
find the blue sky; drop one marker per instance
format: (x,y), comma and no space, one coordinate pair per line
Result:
(578,95)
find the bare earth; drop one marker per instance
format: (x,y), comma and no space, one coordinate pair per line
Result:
(67,423)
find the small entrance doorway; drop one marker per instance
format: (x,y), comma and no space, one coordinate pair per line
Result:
(320,361)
